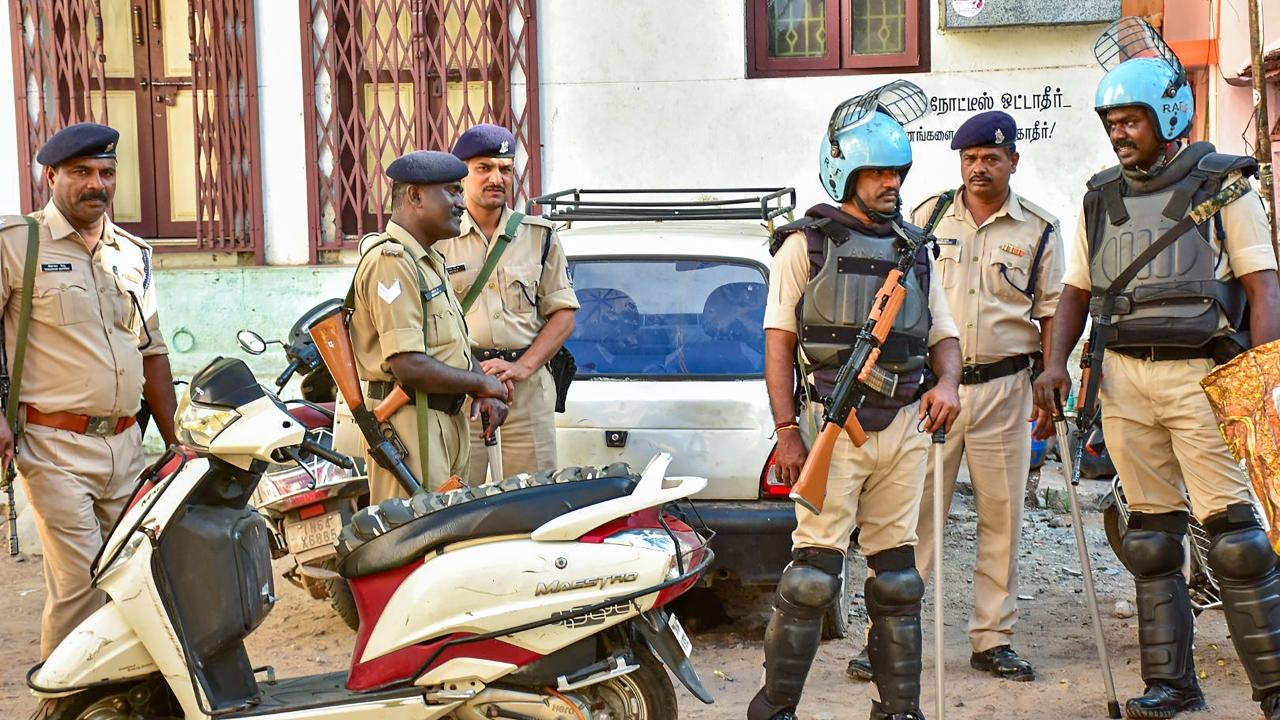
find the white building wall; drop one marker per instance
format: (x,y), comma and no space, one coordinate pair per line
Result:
(283,132)
(655,94)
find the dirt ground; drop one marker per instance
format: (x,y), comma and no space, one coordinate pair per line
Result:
(302,636)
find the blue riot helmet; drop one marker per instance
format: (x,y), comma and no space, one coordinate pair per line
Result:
(1154,84)
(867,132)
(874,141)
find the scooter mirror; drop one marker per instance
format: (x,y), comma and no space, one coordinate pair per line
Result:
(251,342)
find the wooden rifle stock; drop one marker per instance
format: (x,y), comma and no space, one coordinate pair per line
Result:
(888,302)
(333,342)
(811,489)
(391,403)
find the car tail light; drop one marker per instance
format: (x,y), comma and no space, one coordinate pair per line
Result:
(771,486)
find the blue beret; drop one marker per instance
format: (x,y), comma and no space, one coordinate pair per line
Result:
(427,167)
(80,140)
(989,128)
(485,141)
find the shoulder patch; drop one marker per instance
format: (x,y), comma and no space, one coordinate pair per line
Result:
(539,221)
(1038,211)
(392,249)
(1111,174)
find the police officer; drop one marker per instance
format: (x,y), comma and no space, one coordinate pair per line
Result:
(407,327)
(878,485)
(999,260)
(525,310)
(1183,307)
(94,350)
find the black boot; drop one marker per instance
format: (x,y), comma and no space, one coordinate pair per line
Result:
(760,708)
(1003,662)
(1245,564)
(1162,700)
(1271,706)
(860,666)
(894,645)
(878,713)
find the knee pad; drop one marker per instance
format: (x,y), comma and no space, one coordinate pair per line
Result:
(1153,544)
(897,588)
(1240,550)
(811,582)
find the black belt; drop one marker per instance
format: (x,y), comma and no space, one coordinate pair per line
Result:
(447,403)
(491,353)
(977,374)
(1165,353)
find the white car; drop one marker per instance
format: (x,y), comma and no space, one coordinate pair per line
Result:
(669,346)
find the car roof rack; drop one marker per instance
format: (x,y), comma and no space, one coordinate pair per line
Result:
(579,204)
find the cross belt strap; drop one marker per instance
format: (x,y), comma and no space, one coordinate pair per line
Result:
(491,261)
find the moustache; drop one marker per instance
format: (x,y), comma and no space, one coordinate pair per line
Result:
(496,188)
(982,177)
(1118,146)
(887,194)
(101,196)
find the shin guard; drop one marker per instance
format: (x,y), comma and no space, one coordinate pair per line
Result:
(1245,564)
(1153,550)
(894,646)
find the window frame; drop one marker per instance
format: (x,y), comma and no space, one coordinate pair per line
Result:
(915,59)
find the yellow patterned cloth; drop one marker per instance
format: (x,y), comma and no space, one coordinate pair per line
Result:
(1245,396)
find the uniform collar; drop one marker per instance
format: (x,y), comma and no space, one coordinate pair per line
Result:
(469,225)
(60,227)
(402,236)
(1012,207)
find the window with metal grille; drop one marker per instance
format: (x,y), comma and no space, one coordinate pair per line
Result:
(384,77)
(829,37)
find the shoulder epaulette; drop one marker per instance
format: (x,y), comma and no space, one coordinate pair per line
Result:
(781,234)
(539,221)
(1223,163)
(133,238)
(1038,211)
(1109,175)
(931,199)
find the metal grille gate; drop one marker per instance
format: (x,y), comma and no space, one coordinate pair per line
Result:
(383,77)
(59,80)
(58,64)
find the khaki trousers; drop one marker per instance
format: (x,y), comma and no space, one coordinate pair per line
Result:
(876,487)
(447,454)
(78,486)
(994,438)
(528,436)
(1164,439)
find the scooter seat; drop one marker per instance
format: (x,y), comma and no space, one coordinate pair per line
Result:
(396,532)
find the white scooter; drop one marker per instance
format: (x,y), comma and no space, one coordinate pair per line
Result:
(539,597)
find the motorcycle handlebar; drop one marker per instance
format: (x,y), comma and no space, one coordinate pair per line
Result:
(325,453)
(287,374)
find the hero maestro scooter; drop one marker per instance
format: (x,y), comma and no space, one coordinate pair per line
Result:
(538,597)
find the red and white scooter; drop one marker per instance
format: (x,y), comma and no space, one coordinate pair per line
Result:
(537,597)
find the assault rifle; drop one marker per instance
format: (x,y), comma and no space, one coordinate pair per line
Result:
(333,341)
(858,377)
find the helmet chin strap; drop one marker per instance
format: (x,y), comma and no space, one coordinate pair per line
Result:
(1170,150)
(876,215)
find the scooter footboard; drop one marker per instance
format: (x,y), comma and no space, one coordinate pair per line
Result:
(101,649)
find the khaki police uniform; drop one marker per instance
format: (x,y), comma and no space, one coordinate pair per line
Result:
(877,486)
(93,319)
(389,318)
(1160,430)
(517,299)
(985,271)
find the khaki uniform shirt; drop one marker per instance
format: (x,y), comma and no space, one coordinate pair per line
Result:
(521,293)
(389,313)
(985,270)
(789,275)
(93,317)
(1248,241)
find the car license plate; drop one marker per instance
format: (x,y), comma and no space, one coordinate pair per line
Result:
(678,630)
(314,532)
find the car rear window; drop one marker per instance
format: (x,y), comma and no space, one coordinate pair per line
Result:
(668,318)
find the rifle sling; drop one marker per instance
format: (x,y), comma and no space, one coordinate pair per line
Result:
(24,323)
(491,260)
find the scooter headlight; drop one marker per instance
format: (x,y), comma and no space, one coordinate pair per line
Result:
(198,425)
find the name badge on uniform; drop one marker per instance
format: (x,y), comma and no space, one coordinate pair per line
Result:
(1013,250)
(948,241)
(434,292)
(455,269)
(55,267)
